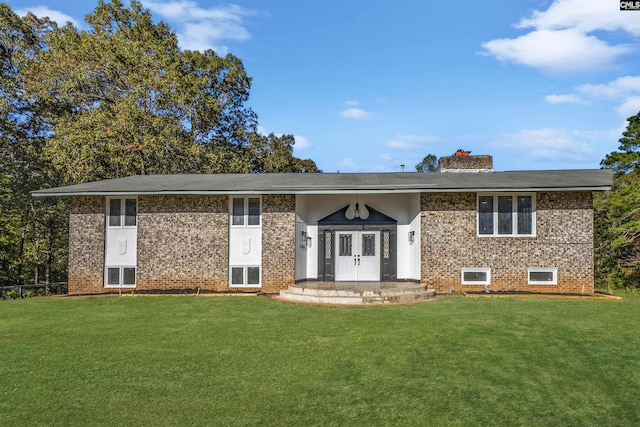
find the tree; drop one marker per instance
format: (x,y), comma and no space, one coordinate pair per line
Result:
(119,98)
(270,153)
(124,100)
(617,214)
(428,164)
(32,232)
(627,159)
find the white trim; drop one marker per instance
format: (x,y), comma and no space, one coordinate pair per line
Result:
(552,270)
(514,213)
(475,270)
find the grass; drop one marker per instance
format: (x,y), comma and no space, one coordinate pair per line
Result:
(253,361)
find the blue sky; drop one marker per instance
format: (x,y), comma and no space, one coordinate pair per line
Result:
(366,86)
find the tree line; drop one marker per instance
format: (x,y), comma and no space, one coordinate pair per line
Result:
(116,99)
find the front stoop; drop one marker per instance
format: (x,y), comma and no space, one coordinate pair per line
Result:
(350,293)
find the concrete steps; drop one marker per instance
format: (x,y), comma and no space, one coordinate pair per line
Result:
(348,293)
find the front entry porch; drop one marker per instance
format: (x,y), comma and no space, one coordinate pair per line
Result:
(350,293)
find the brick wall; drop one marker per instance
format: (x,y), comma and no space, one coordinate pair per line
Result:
(465,163)
(278,242)
(86,245)
(564,239)
(183,243)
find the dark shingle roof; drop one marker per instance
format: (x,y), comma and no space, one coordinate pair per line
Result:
(332,183)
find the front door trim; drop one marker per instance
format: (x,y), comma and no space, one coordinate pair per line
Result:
(377,221)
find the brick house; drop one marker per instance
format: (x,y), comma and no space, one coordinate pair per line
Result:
(465,227)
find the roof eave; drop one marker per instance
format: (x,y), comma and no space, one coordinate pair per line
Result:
(41,193)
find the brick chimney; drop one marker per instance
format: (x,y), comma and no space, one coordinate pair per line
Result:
(461,161)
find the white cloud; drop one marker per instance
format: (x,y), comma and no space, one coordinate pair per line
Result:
(563,37)
(624,90)
(348,165)
(355,113)
(562,50)
(617,89)
(563,99)
(406,142)
(352,102)
(56,16)
(629,108)
(555,145)
(302,143)
(399,144)
(583,15)
(203,28)
(188,10)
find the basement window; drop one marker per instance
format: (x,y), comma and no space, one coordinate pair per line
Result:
(120,276)
(542,275)
(476,276)
(245,276)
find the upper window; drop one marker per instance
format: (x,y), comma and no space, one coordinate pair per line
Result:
(245,211)
(122,212)
(506,214)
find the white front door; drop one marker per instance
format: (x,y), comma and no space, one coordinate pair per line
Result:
(357,255)
(369,256)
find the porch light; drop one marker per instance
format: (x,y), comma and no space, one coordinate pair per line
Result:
(305,239)
(412,236)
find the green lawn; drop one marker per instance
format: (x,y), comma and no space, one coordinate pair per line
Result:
(252,361)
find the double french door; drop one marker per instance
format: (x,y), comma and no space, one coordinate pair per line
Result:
(357,255)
